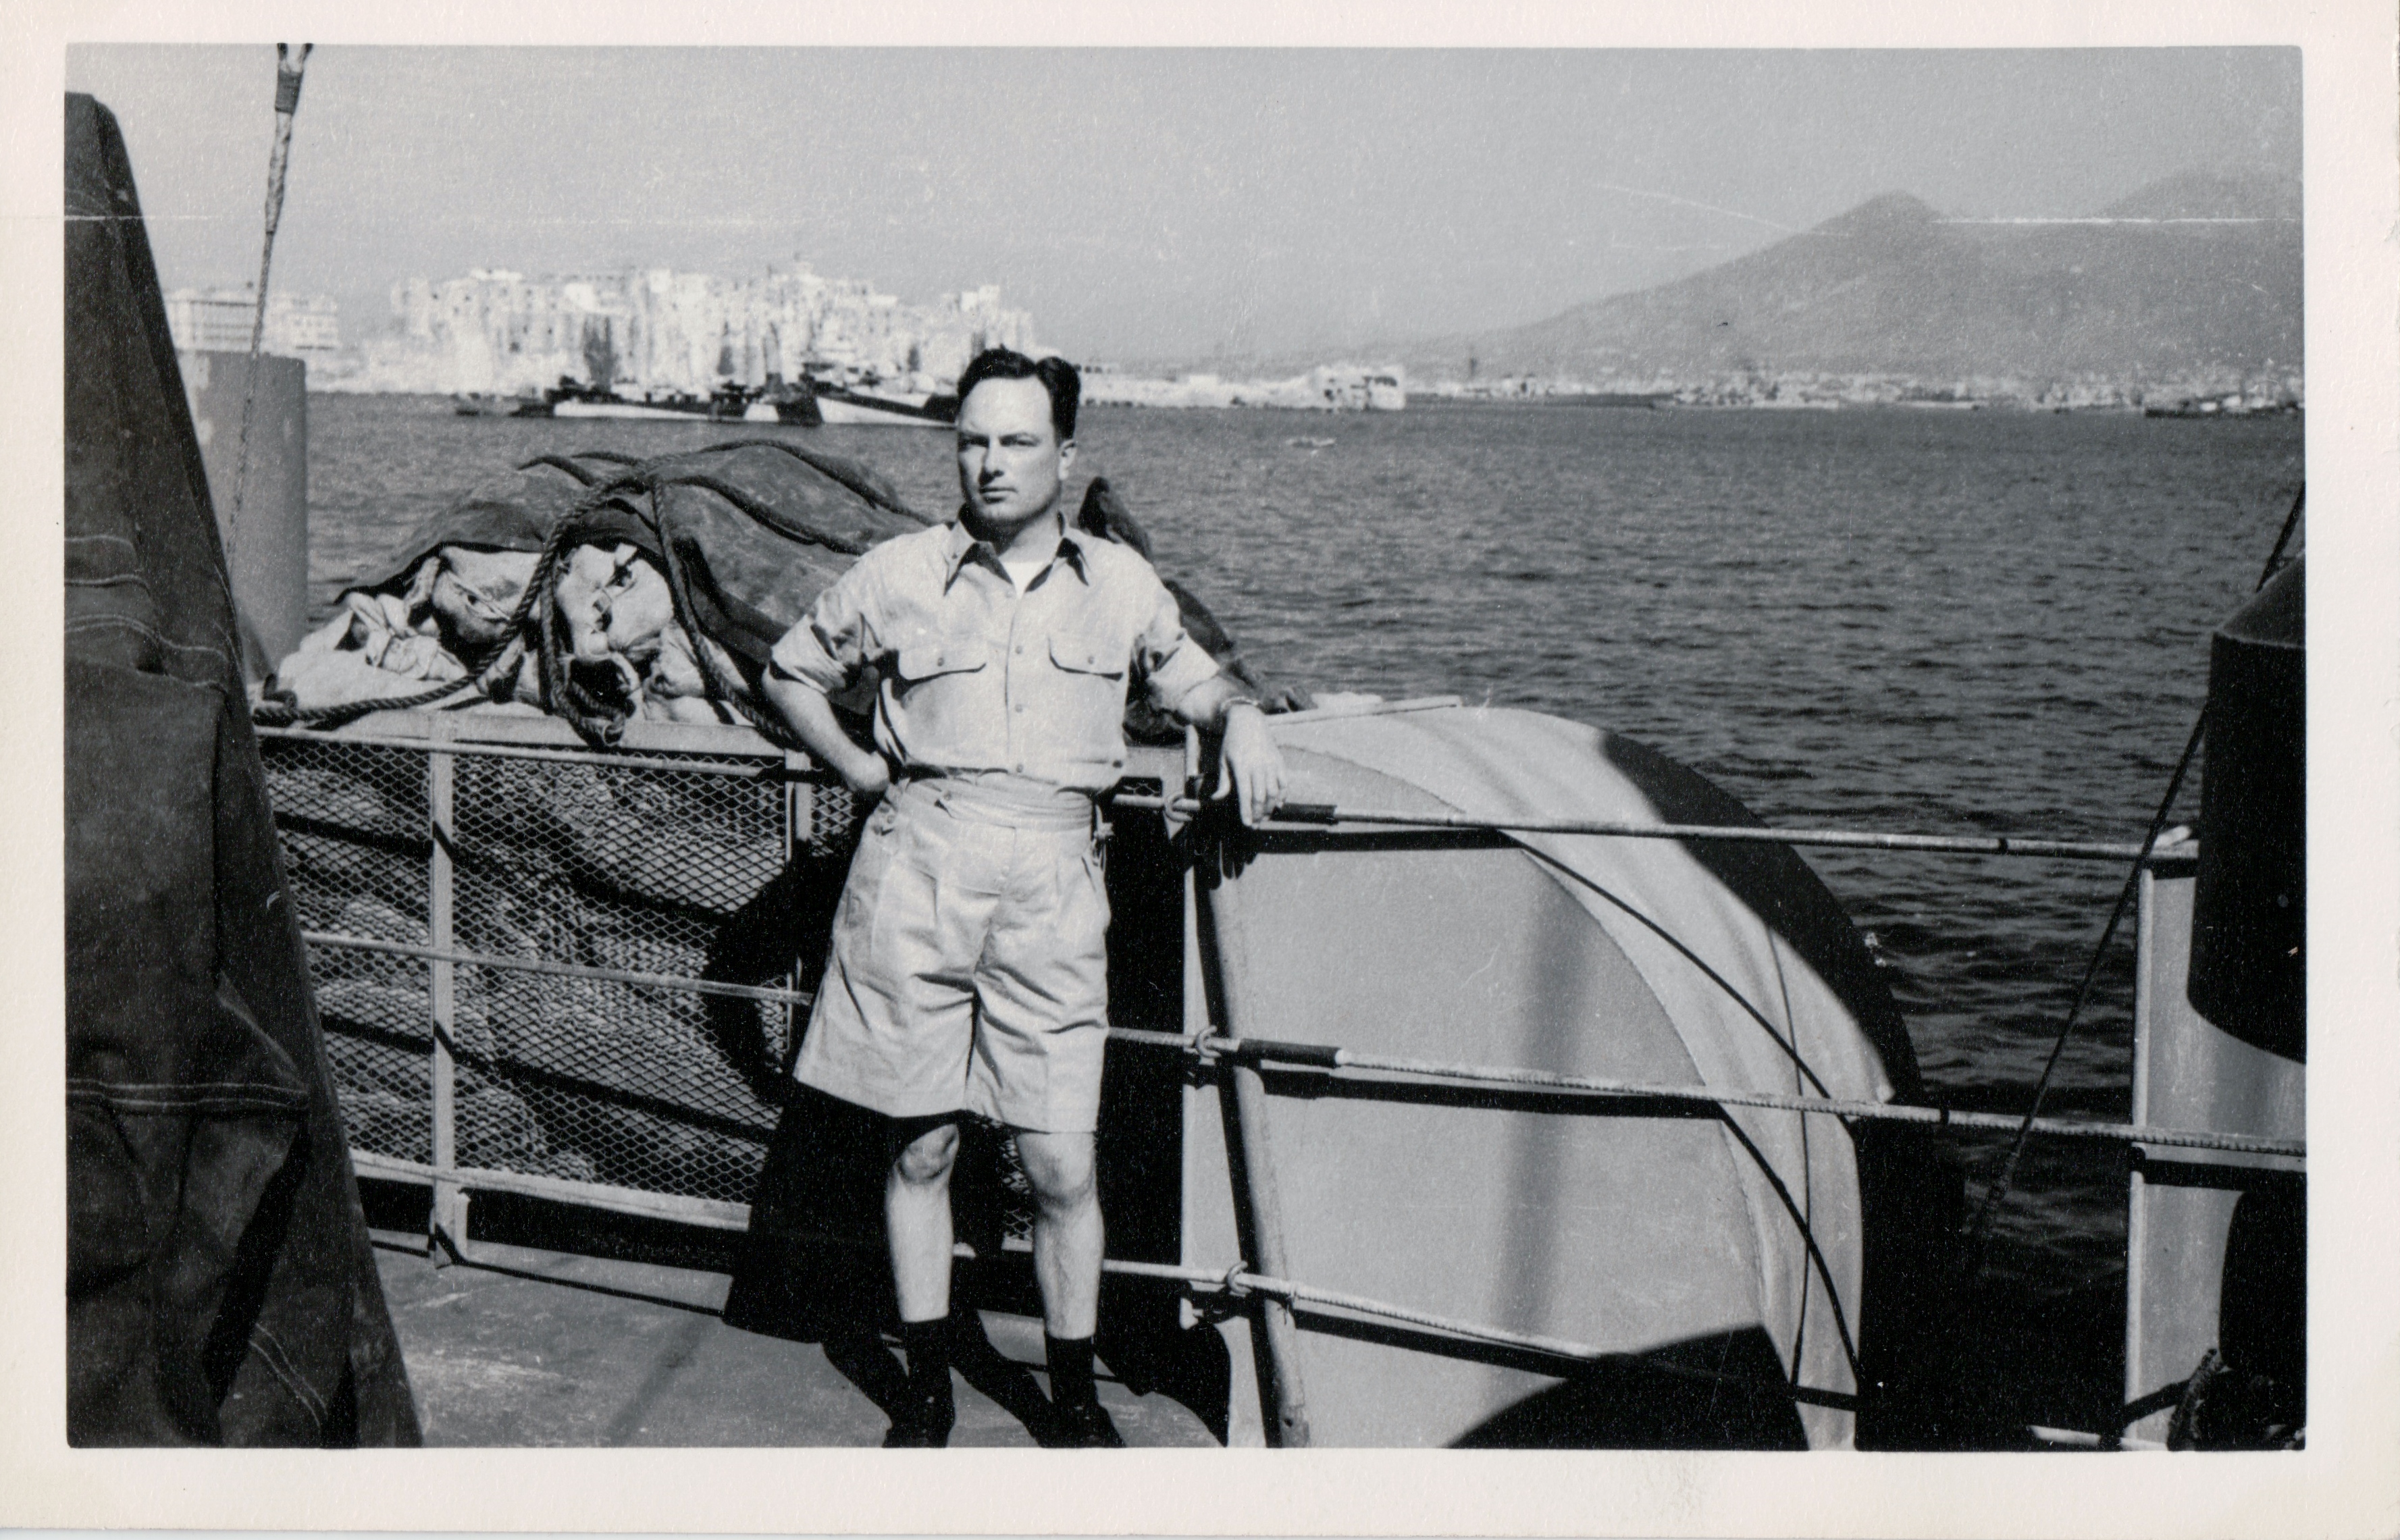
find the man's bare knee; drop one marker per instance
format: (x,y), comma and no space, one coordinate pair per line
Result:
(926,1159)
(1058,1168)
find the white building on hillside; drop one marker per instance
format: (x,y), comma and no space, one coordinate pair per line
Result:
(655,328)
(304,326)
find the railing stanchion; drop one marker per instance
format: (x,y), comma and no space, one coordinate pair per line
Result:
(801,801)
(448,1219)
(1255,1184)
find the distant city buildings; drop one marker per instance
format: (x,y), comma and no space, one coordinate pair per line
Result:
(2234,393)
(654,328)
(304,326)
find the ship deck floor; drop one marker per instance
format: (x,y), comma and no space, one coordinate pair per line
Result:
(524,1347)
(566,1330)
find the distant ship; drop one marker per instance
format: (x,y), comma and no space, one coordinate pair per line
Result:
(804,402)
(726,403)
(847,406)
(491,404)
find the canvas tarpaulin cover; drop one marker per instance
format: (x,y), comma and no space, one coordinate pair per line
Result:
(220,1287)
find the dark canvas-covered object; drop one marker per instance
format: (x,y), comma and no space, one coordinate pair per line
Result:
(220,1285)
(809,513)
(2249,952)
(731,543)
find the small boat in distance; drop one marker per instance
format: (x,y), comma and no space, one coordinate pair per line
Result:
(851,406)
(775,401)
(728,402)
(491,404)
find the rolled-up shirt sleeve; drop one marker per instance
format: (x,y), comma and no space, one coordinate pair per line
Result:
(829,646)
(1170,664)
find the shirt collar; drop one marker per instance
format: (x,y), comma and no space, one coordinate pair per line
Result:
(964,548)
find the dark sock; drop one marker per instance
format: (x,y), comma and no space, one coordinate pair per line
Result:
(928,1346)
(1071,1369)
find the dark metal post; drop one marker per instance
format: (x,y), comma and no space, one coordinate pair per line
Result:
(449,1216)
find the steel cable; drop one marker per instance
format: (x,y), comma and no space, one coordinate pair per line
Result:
(1979,1235)
(287,73)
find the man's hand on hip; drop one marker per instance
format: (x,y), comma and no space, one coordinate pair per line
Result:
(863,771)
(867,775)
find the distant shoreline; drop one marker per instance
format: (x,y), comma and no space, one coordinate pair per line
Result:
(2187,408)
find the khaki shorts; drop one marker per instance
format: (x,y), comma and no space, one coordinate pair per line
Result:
(970,961)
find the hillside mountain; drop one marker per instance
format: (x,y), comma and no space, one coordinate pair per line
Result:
(2197,273)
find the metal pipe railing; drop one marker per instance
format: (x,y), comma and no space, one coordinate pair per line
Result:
(450,1177)
(1312,815)
(449,1213)
(1320,1055)
(1330,1057)
(1237,1280)
(1308,815)
(777,769)
(560,970)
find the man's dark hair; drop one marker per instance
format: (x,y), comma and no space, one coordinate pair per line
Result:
(1057,375)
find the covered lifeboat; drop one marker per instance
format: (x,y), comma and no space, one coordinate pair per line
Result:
(1582,1270)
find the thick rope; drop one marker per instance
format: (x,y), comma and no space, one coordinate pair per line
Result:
(827,466)
(734,692)
(562,694)
(1979,1235)
(287,105)
(568,462)
(276,714)
(760,513)
(2291,522)
(562,462)
(1238,1280)
(597,720)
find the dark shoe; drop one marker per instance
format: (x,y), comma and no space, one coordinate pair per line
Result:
(1082,1425)
(922,1421)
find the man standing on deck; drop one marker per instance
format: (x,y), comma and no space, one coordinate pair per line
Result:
(969,970)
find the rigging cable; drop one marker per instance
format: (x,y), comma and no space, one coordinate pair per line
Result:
(1979,1235)
(287,70)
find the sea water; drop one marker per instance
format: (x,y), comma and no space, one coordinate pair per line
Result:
(1914,621)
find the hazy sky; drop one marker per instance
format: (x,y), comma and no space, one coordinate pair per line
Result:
(1146,203)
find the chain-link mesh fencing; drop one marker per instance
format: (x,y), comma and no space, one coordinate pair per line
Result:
(562,863)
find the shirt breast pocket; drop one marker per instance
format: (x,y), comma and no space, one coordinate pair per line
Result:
(946,710)
(1094,658)
(923,662)
(1087,672)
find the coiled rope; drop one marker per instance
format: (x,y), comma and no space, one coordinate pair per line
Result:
(288,72)
(602,722)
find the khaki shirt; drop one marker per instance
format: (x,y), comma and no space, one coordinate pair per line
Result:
(974,676)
